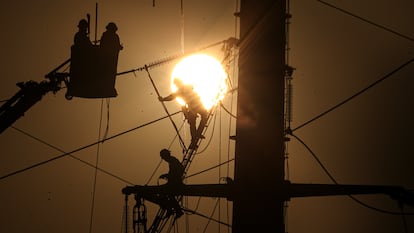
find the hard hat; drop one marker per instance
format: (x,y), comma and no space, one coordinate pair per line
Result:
(111,26)
(164,152)
(83,23)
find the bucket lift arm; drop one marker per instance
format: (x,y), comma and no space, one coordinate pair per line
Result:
(29,94)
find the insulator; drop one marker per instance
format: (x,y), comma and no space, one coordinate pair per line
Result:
(289,102)
(135,219)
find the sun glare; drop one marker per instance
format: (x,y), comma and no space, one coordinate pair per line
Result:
(205,74)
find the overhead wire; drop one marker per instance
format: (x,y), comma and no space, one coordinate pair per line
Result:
(81,148)
(210,168)
(72,156)
(367,21)
(169,59)
(388,75)
(373,84)
(207,217)
(335,182)
(211,215)
(228,111)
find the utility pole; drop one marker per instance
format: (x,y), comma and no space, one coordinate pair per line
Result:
(260,189)
(259,166)
(259,155)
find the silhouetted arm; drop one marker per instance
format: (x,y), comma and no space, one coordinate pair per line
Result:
(168,98)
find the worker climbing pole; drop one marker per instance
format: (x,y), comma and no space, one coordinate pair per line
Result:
(165,109)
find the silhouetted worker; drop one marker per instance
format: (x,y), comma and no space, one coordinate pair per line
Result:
(176,169)
(193,107)
(81,38)
(82,53)
(174,180)
(109,49)
(110,40)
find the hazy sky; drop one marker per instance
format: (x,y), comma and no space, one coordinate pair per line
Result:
(366,141)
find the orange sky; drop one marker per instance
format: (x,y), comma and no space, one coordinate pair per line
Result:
(367,141)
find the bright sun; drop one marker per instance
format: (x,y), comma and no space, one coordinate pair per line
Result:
(205,74)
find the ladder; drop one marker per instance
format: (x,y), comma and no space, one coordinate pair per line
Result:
(163,217)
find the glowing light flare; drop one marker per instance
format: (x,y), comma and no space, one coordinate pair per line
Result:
(205,74)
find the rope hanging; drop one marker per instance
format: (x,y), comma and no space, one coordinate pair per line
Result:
(96,171)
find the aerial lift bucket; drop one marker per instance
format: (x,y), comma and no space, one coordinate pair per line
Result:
(92,73)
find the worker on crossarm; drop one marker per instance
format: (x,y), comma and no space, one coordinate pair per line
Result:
(175,180)
(176,170)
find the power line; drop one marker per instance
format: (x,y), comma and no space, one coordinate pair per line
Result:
(170,58)
(228,111)
(207,217)
(82,148)
(355,95)
(211,215)
(335,182)
(208,169)
(367,21)
(72,156)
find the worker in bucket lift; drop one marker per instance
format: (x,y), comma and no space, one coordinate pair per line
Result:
(192,108)
(81,38)
(110,40)
(174,180)
(110,46)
